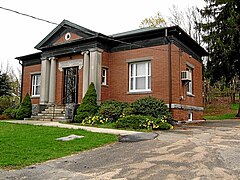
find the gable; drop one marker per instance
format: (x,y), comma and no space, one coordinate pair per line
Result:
(65,32)
(67,37)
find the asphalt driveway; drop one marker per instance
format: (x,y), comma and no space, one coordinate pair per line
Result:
(207,151)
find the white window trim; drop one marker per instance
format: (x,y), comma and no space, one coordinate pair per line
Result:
(190,84)
(105,77)
(190,116)
(134,76)
(34,85)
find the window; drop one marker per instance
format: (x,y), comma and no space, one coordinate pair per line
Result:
(104,76)
(36,80)
(189,85)
(190,116)
(140,76)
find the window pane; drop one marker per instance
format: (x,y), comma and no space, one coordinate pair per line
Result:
(131,69)
(149,68)
(131,84)
(140,69)
(140,83)
(149,82)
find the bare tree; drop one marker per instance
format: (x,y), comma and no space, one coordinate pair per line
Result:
(153,21)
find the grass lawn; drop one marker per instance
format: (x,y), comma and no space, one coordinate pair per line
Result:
(22,145)
(220,111)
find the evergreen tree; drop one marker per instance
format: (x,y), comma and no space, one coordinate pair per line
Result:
(5,85)
(25,109)
(222,35)
(88,107)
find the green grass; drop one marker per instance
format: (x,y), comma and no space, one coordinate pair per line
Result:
(220,117)
(220,111)
(234,106)
(23,145)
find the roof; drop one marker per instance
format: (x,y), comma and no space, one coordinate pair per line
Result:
(65,24)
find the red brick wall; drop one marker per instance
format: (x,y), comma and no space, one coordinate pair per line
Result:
(182,115)
(105,88)
(119,69)
(27,81)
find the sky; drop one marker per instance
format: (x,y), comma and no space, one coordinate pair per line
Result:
(19,34)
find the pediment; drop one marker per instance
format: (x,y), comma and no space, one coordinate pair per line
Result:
(65,32)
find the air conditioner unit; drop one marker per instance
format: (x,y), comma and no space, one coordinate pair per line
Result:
(185,76)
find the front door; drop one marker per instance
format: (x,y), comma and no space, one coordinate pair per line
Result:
(70,93)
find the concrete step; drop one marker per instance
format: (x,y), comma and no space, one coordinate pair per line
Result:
(56,108)
(58,111)
(48,117)
(51,114)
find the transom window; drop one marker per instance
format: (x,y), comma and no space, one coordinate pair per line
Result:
(140,76)
(36,80)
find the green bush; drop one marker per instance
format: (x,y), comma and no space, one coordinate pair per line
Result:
(88,107)
(5,102)
(11,112)
(135,122)
(149,106)
(25,108)
(128,111)
(164,126)
(93,120)
(142,122)
(112,109)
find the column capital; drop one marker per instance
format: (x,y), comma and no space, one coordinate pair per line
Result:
(44,58)
(96,49)
(52,58)
(85,52)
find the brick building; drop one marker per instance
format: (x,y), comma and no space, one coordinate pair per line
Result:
(161,62)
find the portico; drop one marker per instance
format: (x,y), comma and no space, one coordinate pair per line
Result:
(90,64)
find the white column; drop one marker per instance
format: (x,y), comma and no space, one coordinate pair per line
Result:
(85,72)
(45,70)
(52,83)
(95,70)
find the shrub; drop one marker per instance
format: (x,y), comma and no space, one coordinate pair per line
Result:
(150,106)
(93,120)
(5,102)
(25,108)
(135,122)
(164,126)
(11,112)
(112,109)
(143,122)
(88,107)
(127,111)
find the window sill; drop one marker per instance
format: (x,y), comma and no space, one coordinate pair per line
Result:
(140,92)
(104,85)
(190,94)
(35,97)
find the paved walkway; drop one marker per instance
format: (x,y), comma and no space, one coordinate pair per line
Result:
(71,126)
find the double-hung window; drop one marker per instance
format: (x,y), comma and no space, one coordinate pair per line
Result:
(190,84)
(36,80)
(104,76)
(140,76)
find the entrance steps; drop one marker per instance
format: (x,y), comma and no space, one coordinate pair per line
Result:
(51,113)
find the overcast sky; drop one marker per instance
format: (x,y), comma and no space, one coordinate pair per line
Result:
(19,34)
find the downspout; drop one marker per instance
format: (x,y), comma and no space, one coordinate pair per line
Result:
(169,70)
(21,79)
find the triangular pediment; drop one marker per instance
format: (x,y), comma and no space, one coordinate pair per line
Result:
(65,32)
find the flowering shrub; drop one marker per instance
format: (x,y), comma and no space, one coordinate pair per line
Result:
(143,122)
(112,109)
(92,120)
